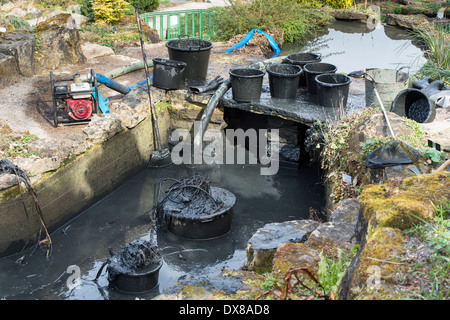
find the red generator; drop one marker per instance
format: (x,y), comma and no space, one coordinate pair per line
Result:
(74,99)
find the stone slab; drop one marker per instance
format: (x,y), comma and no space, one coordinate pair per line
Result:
(304,108)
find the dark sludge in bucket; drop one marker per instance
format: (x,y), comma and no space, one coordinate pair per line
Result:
(135,268)
(283,80)
(414,104)
(314,69)
(193,209)
(246,84)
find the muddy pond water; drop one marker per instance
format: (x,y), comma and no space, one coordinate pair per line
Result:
(81,246)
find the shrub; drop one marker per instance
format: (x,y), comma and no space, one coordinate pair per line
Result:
(339,4)
(86,9)
(145,5)
(109,11)
(295,21)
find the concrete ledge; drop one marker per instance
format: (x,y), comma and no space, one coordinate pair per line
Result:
(73,188)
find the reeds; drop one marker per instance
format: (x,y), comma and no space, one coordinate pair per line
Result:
(437,52)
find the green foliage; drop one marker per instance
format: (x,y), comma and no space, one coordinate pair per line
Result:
(432,155)
(18,148)
(332,268)
(145,5)
(339,4)
(295,21)
(109,11)
(437,52)
(86,9)
(338,159)
(17,22)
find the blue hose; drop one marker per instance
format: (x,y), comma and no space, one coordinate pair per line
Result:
(249,36)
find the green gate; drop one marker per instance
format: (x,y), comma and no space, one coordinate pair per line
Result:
(170,25)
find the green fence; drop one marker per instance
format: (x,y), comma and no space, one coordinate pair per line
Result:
(172,24)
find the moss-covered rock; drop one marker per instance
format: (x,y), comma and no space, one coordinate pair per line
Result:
(59,42)
(294,255)
(379,261)
(401,206)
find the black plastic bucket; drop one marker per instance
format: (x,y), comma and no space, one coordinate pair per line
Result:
(246,83)
(332,89)
(414,104)
(302,59)
(314,69)
(137,282)
(202,227)
(168,74)
(283,80)
(195,53)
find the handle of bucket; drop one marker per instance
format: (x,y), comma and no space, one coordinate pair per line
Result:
(197,48)
(183,35)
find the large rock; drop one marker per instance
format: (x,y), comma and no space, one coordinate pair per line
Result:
(262,245)
(294,255)
(411,21)
(16,55)
(94,50)
(351,15)
(102,127)
(347,211)
(332,234)
(8,69)
(59,43)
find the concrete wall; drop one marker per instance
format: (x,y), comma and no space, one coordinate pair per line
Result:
(69,190)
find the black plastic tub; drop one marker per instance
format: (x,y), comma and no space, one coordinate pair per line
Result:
(283,80)
(301,59)
(204,226)
(414,104)
(332,89)
(314,69)
(195,53)
(134,268)
(246,83)
(168,74)
(135,283)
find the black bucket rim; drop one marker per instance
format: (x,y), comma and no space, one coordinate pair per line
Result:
(209,45)
(282,75)
(309,65)
(169,62)
(326,84)
(292,60)
(258,72)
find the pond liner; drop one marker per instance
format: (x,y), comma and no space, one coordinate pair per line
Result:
(193,209)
